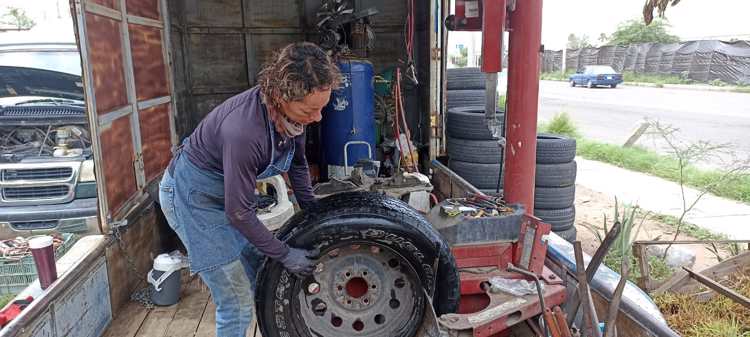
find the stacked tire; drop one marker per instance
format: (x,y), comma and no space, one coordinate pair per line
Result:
(473,153)
(465,87)
(554,195)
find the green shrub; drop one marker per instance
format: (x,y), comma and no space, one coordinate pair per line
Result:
(560,124)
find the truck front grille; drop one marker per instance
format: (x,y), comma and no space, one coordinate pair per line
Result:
(52,173)
(33,193)
(33,225)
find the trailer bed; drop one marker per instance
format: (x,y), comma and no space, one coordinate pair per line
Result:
(192,316)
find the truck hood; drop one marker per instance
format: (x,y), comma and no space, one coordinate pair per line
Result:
(20,81)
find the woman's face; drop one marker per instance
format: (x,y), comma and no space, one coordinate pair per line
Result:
(308,109)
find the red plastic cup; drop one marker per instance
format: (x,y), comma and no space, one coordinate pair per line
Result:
(44,258)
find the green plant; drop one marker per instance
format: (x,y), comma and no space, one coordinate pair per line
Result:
(4,299)
(17,17)
(635,31)
(560,124)
(723,328)
(501,101)
(717,83)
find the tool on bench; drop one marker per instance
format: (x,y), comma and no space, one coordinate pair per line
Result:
(13,309)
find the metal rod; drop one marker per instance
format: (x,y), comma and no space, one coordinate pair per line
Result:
(594,264)
(534,327)
(614,304)
(719,288)
(589,312)
(514,269)
(561,322)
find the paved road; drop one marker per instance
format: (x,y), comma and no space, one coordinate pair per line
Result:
(611,115)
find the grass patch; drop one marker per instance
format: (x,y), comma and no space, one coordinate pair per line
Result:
(556,76)
(643,160)
(647,161)
(630,76)
(719,316)
(560,124)
(4,299)
(690,229)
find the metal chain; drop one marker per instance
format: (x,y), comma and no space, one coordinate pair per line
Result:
(143,295)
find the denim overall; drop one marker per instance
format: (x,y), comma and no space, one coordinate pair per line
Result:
(192,200)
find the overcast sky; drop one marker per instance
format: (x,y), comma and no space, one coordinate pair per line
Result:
(690,20)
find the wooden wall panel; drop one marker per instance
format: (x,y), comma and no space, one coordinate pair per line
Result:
(155,136)
(107,68)
(148,66)
(273,14)
(114,4)
(117,158)
(143,8)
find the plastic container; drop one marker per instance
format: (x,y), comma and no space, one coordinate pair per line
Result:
(44,259)
(164,278)
(17,274)
(349,118)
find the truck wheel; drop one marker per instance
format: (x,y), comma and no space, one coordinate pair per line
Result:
(572,83)
(589,84)
(376,256)
(568,234)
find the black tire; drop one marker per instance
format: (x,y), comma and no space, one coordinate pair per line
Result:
(613,86)
(555,175)
(560,219)
(353,218)
(461,98)
(569,234)
(554,197)
(469,123)
(475,151)
(572,83)
(481,176)
(466,78)
(554,149)
(590,85)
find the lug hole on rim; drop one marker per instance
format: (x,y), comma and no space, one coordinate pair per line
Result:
(379,319)
(393,263)
(394,303)
(336,321)
(319,307)
(358,325)
(364,273)
(374,286)
(399,283)
(348,274)
(366,301)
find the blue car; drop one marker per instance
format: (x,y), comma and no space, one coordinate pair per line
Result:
(592,76)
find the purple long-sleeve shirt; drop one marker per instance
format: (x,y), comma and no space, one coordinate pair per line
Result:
(234,140)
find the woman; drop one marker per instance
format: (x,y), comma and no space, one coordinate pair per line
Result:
(207,193)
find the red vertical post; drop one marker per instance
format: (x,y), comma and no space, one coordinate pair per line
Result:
(523,96)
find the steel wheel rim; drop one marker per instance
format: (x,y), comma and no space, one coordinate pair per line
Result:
(360,289)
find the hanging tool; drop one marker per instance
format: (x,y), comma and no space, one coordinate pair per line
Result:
(562,323)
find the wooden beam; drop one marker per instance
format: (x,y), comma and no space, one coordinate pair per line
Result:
(681,281)
(718,287)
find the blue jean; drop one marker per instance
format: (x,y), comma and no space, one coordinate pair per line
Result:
(232,284)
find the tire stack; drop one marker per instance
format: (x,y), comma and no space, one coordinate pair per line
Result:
(474,154)
(465,87)
(554,195)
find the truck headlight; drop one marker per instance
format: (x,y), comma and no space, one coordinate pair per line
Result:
(87,171)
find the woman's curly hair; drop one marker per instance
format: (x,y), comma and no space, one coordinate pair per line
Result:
(296,71)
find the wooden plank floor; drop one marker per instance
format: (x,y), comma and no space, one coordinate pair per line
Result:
(193,316)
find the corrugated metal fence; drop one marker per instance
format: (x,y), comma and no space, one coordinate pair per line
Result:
(701,61)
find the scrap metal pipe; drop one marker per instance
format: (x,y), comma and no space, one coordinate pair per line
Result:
(523,95)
